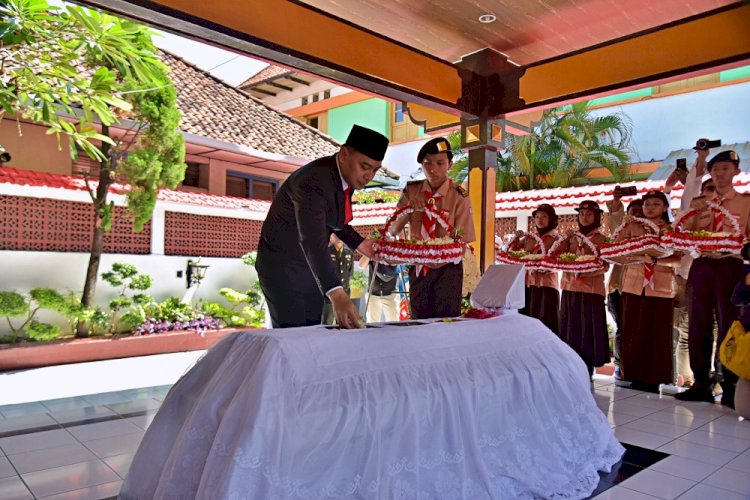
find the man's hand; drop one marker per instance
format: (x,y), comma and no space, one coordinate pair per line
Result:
(368,248)
(417,202)
(617,193)
(347,315)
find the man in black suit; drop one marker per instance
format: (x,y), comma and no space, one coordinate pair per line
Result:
(293,264)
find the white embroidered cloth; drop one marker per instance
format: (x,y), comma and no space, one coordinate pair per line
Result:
(497,408)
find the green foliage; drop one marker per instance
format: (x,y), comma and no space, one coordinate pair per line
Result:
(562,148)
(15,305)
(42,331)
(377,195)
(358,281)
(245,308)
(12,304)
(172,309)
(249,258)
(125,278)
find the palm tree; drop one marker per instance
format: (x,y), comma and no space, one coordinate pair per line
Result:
(561,150)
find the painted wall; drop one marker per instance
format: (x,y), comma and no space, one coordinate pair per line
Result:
(34,149)
(371,113)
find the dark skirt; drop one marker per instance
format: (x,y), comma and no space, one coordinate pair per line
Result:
(543,303)
(583,326)
(646,341)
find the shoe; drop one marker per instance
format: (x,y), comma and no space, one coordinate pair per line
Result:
(617,373)
(696,393)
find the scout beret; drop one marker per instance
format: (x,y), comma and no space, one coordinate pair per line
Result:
(434,146)
(589,205)
(724,156)
(368,142)
(656,194)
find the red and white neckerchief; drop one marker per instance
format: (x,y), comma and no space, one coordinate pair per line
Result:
(718,222)
(429,221)
(648,275)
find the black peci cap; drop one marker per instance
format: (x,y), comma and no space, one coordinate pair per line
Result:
(435,146)
(589,205)
(368,142)
(724,156)
(655,194)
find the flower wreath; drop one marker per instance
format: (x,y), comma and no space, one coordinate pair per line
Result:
(571,262)
(434,251)
(649,243)
(704,241)
(530,260)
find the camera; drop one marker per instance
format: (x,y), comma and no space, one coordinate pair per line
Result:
(629,190)
(4,155)
(703,144)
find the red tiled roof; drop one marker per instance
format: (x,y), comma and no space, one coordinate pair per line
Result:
(269,72)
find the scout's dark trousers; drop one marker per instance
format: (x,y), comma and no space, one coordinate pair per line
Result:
(709,290)
(438,294)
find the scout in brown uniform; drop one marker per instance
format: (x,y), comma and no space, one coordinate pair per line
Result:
(583,322)
(711,280)
(542,287)
(436,292)
(648,289)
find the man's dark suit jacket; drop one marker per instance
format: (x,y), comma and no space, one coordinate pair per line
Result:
(293,249)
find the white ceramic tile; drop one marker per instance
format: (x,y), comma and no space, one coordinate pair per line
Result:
(732,480)
(22,410)
(11,424)
(705,492)
(629,408)
(685,468)
(98,430)
(65,403)
(135,406)
(681,419)
(6,469)
(729,425)
(653,427)
(120,463)
(658,484)
(653,401)
(616,419)
(117,445)
(741,463)
(142,421)
(714,440)
(620,493)
(49,458)
(36,441)
(69,478)
(620,393)
(640,438)
(12,488)
(700,409)
(698,452)
(79,414)
(108,490)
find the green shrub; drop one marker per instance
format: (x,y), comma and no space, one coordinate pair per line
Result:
(16,305)
(125,278)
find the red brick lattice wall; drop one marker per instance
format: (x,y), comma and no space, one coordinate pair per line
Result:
(209,236)
(505,225)
(40,224)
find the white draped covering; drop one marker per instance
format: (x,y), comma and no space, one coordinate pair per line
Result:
(497,408)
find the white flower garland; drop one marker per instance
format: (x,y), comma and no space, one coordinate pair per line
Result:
(583,263)
(638,244)
(721,243)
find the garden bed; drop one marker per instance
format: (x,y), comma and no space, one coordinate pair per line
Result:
(37,354)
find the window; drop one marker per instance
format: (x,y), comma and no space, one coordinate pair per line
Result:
(313,122)
(263,190)
(327,94)
(398,112)
(192,175)
(315,97)
(247,186)
(304,101)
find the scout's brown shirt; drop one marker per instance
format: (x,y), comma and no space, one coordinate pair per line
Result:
(539,278)
(737,204)
(591,282)
(664,281)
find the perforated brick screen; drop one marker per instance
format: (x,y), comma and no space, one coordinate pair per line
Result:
(505,225)
(209,236)
(40,224)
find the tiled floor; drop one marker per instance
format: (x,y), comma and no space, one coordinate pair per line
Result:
(80,447)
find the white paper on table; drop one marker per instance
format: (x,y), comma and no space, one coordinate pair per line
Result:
(501,287)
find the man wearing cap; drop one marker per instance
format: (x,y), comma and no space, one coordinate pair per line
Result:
(435,291)
(294,266)
(712,278)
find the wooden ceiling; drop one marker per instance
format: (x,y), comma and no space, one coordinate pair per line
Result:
(527,31)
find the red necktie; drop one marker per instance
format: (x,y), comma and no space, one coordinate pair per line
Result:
(347,206)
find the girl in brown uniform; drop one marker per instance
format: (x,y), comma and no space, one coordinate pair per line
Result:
(583,323)
(648,291)
(542,287)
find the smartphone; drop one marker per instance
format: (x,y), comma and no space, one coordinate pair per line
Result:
(629,190)
(682,164)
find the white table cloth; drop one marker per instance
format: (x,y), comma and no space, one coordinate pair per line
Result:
(497,408)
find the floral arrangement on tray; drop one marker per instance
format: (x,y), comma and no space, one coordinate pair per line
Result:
(433,251)
(696,242)
(481,313)
(570,262)
(619,252)
(528,259)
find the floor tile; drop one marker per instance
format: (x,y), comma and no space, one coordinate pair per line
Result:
(732,480)
(741,463)
(653,427)
(658,484)
(141,421)
(640,438)
(11,424)
(100,430)
(714,440)
(616,418)
(620,472)
(22,410)
(629,408)
(685,468)
(135,406)
(681,419)
(698,452)
(69,478)
(120,463)
(98,492)
(705,492)
(107,398)
(49,458)
(620,493)
(653,401)
(729,425)
(12,488)
(642,457)
(65,403)
(117,445)
(82,414)
(36,441)
(6,469)
(699,409)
